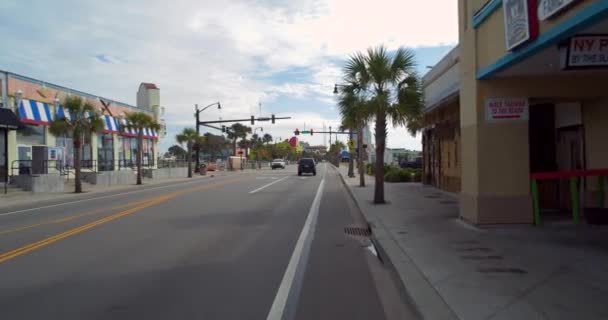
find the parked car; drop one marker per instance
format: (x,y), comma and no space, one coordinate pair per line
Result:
(307,165)
(278,163)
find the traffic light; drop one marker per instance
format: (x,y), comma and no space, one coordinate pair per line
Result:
(252,120)
(272,119)
(223,129)
(297,132)
(311,131)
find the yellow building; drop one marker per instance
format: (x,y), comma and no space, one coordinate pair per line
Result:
(532,99)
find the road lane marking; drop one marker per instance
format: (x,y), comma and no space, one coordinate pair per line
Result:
(267,185)
(69,218)
(298,258)
(44,242)
(103,197)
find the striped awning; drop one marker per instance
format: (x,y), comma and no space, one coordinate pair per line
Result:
(110,124)
(63,114)
(34,112)
(124,130)
(147,133)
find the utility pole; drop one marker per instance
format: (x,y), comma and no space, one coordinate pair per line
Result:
(198,133)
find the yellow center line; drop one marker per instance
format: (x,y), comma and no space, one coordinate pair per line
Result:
(148,203)
(69,218)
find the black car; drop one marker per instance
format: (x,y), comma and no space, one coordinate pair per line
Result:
(307,165)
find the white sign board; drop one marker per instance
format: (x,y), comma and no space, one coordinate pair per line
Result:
(53,153)
(549,8)
(587,51)
(517,22)
(506,109)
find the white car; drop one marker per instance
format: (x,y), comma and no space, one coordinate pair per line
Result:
(278,163)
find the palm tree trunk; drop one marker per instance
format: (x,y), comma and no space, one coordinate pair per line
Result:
(351,171)
(361,151)
(77,165)
(380,147)
(189,160)
(140,142)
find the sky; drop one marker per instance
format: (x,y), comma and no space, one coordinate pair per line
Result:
(282,55)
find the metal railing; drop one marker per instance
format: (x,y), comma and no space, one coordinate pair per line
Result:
(30,167)
(173,164)
(574,177)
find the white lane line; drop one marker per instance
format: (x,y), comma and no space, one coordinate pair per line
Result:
(280,300)
(102,197)
(268,185)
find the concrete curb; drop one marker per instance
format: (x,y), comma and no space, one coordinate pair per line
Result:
(425,299)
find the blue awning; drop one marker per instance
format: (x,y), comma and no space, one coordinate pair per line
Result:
(34,112)
(110,124)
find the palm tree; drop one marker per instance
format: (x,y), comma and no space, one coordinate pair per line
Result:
(83,120)
(267,138)
(138,122)
(355,112)
(190,138)
(237,131)
(393,87)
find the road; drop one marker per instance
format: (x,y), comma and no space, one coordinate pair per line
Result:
(249,245)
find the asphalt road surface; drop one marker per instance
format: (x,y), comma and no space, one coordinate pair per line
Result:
(248,245)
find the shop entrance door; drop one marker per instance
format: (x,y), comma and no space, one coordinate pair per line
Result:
(542,152)
(570,151)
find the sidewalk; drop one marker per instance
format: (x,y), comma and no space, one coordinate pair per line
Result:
(16,196)
(452,270)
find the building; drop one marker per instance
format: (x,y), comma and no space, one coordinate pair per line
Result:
(530,99)
(32,146)
(396,156)
(441,121)
(370,149)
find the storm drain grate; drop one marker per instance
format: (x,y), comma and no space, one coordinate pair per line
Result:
(502,270)
(357,231)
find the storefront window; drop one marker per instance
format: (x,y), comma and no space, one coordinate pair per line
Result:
(105,152)
(31,135)
(127,152)
(148,152)
(67,143)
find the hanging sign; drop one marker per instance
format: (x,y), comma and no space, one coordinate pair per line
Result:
(549,8)
(506,109)
(521,24)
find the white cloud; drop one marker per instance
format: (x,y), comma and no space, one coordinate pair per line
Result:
(205,51)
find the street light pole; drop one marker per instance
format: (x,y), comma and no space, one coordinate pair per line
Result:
(197,116)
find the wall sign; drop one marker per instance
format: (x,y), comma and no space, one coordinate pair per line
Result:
(506,109)
(53,153)
(521,24)
(549,8)
(587,51)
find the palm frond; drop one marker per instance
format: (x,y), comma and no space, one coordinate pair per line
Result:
(188,136)
(403,65)
(355,70)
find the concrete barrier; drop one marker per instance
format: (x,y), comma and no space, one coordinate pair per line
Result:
(165,173)
(42,183)
(110,178)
